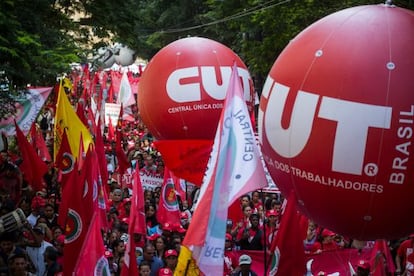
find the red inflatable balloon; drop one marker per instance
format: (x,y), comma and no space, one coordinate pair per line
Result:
(183,87)
(336,121)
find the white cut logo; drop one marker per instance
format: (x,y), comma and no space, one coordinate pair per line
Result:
(352,119)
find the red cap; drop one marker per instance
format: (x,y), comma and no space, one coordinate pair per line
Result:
(61,239)
(179,228)
(108,254)
(154,236)
(38,202)
(229,237)
(167,227)
(327,233)
(170,252)
(165,272)
(271,212)
(184,215)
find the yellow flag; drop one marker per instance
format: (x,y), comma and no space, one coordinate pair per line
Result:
(186,264)
(66,118)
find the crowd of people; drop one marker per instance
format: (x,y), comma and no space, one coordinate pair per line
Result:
(36,248)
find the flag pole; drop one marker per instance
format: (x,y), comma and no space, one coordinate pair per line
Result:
(264,234)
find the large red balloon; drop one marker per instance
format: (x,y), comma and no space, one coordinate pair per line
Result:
(336,121)
(182,89)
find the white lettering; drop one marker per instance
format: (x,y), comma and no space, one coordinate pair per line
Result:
(184,85)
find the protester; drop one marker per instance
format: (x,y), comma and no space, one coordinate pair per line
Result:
(251,236)
(404,252)
(36,250)
(170,259)
(19,265)
(149,256)
(244,269)
(144,269)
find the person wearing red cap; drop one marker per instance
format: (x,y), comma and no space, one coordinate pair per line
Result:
(230,256)
(38,203)
(271,226)
(171,259)
(328,240)
(184,218)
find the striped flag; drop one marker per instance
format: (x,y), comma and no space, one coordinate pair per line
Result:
(234,169)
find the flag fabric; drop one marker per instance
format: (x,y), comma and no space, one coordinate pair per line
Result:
(179,186)
(64,161)
(125,95)
(80,111)
(32,166)
(81,153)
(38,142)
(100,151)
(187,159)
(92,260)
(123,163)
(137,225)
(234,169)
(381,262)
(168,209)
(66,119)
(137,205)
(288,255)
(27,110)
(77,197)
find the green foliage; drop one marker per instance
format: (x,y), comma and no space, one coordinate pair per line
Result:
(35,44)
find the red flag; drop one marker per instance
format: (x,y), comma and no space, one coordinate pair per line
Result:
(123,163)
(80,209)
(81,154)
(137,215)
(100,151)
(80,111)
(38,142)
(168,209)
(100,199)
(32,167)
(187,159)
(92,260)
(382,263)
(71,177)
(136,226)
(287,247)
(65,161)
(179,186)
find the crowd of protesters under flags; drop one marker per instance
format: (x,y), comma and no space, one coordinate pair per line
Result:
(37,248)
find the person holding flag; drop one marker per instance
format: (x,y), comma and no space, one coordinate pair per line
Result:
(232,171)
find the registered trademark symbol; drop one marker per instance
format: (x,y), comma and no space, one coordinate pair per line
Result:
(371,169)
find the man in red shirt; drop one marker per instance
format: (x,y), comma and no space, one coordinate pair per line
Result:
(404,252)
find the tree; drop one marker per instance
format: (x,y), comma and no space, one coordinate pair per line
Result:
(35,41)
